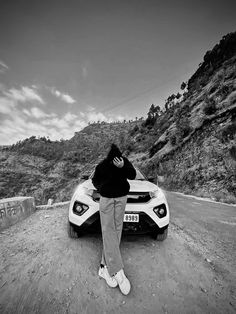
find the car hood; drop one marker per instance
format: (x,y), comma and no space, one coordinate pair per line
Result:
(135,185)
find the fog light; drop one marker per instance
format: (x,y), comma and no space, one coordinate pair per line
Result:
(160,210)
(80,208)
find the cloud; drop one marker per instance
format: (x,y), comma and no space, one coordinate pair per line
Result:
(68,120)
(26,112)
(91,108)
(6,105)
(24,94)
(83,115)
(56,122)
(64,97)
(69,117)
(37,113)
(20,122)
(18,126)
(91,115)
(68,99)
(3,67)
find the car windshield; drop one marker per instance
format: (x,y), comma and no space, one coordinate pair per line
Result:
(139,175)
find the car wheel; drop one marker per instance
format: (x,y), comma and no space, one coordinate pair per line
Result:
(72,231)
(160,235)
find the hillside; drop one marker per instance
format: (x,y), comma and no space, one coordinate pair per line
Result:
(195,144)
(45,169)
(191,141)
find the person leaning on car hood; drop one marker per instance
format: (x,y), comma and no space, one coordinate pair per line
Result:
(110,180)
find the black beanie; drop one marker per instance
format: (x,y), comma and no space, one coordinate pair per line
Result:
(114,152)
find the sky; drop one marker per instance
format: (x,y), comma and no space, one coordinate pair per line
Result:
(64,64)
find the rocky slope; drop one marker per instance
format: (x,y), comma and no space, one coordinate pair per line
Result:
(192,142)
(196,148)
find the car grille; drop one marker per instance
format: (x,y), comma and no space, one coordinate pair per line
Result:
(138,197)
(145,224)
(133,197)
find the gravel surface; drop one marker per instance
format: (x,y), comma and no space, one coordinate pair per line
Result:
(43,271)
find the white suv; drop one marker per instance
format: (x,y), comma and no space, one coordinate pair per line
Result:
(146,211)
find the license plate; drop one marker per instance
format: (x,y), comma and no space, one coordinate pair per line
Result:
(131,218)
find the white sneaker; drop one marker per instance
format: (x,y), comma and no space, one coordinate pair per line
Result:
(123,282)
(103,273)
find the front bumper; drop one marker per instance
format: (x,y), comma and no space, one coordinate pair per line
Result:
(148,220)
(145,225)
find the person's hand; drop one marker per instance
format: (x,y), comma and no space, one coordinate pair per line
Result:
(118,162)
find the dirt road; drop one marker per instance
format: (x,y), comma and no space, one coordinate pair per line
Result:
(192,271)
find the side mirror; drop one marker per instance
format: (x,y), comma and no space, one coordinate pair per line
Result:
(152,179)
(85,177)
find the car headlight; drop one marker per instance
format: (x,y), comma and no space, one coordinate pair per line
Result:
(80,208)
(160,210)
(153,194)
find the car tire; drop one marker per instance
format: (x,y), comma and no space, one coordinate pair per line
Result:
(160,235)
(72,231)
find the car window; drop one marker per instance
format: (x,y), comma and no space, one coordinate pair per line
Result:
(139,175)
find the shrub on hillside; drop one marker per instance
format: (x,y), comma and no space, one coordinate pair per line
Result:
(134,130)
(224,91)
(219,76)
(229,132)
(184,128)
(71,170)
(163,122)
(72,156)
(230,72)
(182,121)
(210,107)
(182,112)
(150,121)
(232,152)
(155,148)
(173,140)
(129,149)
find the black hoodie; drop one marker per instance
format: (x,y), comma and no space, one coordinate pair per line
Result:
(111,181)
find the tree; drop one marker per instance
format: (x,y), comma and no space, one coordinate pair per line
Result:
(166,105)
(152,110)
(183,85)
(178,96)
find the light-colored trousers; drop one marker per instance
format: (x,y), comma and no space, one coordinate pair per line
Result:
(112,215)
